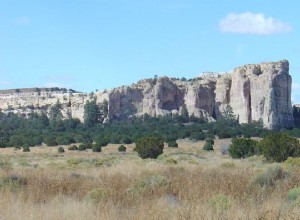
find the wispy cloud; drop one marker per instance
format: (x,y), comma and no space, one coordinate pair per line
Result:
(23,21)
(62,81)
(4,83)
(251,23)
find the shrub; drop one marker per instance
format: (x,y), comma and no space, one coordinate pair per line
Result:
(26,148)
(172,143)
(127,140)
(279,146)
(197,136)
(220,202)
(105,161)
(209,143)
(82,147)
(148,183)
(12,182)
(97,195)
(74,147)
(102,141)
(149,147)
(96,148)
(293,194)
(88,146)
(293,162)
(74,161)
(269,176)
(242,147)
(61,150)
(122,148)
(50,140)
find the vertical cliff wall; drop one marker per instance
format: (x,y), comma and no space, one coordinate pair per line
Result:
(255,92)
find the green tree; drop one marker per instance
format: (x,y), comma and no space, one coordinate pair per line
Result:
(149,147)
(277,147)
(55,112)
(105,108)
(209,144)
(61,150)
(96,148)
(229,116)
(184,111)
(122,148)
(26,148)
(92,114)
(243,147)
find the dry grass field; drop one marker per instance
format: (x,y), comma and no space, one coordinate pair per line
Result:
(183,183)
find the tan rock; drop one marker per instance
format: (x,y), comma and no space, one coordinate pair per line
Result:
(258,91)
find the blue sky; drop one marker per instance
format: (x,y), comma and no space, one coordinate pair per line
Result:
(98,44)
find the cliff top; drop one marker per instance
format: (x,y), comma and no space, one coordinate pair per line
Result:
(32,90)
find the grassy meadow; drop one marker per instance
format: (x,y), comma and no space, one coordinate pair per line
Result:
(183,183)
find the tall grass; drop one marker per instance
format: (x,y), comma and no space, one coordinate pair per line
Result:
(215,187)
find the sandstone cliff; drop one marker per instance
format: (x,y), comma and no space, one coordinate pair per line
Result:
(258,91)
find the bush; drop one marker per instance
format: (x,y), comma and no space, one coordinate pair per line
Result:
(127,140)
(82,147)
(219,202)
(209,143)
(293,162)
(61,150)
(50,140)
(269,176)
(150,183)
(97,195)
(278,147)
(243,147)
(122,148)
(172,143)
(149,147)
(96,148)
(74,161)
(26,148)
(88,146)
(74,147)
(12,182)
(293,194)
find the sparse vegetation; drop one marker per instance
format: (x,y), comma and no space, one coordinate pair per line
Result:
(81,184)
(183,183)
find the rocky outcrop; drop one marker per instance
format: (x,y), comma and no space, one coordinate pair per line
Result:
(255,92)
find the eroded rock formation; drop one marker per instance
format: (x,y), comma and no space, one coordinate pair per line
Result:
(258,91)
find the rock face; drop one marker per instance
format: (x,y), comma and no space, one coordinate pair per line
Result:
(255,92)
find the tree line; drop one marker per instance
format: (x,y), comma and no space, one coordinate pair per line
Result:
(53,130)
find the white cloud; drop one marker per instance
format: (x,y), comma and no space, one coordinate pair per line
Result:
(53,84)
(4,83)
(250,23)
(23,21)
(61,81)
